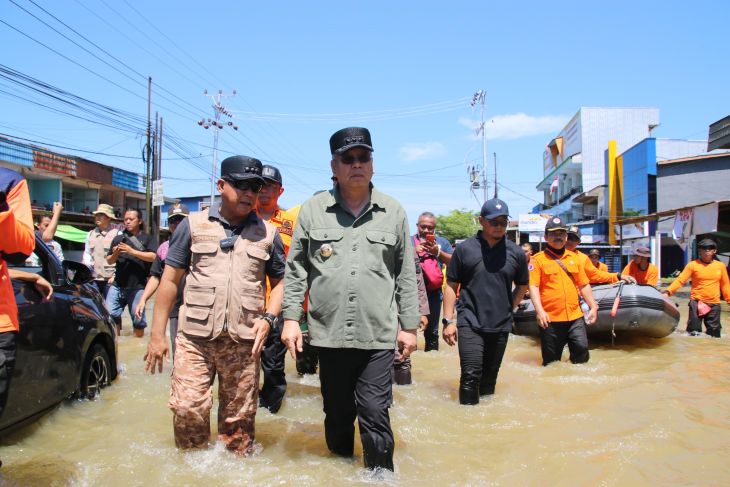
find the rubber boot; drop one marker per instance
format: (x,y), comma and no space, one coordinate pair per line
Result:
(468,395)
(376,453)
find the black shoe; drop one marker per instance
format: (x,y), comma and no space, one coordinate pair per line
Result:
(694,333)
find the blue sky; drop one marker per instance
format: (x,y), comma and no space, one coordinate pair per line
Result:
(406,70)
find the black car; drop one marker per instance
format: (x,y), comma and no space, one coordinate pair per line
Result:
(66,345)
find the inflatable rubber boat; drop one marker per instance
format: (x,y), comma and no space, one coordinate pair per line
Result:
(642,311)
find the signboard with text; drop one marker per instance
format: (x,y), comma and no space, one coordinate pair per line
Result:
(158,198)
(530,222)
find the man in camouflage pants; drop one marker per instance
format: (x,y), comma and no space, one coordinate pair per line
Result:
(227,252)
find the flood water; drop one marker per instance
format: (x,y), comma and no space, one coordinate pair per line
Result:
(648,412)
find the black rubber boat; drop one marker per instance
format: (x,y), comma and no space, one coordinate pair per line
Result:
(643,311)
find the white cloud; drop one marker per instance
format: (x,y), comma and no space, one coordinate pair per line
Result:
(424,150)
(517,125)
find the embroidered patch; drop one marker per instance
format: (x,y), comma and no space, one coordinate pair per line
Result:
(530,267)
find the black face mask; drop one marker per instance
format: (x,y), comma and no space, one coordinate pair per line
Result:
(556,251)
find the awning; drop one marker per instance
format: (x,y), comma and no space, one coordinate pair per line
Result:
(67,232)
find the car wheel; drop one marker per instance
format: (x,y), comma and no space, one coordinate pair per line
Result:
(96,372)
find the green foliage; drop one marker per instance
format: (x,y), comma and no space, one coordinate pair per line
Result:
(457,225)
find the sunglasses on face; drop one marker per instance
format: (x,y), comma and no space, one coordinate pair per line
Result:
(361,158)
(497,223)
(253,186)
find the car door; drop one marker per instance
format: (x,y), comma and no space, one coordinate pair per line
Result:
(47,356)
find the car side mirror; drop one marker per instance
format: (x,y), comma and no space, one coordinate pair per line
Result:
(77,273)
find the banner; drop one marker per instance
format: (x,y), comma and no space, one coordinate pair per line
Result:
(530,222)
(704,219)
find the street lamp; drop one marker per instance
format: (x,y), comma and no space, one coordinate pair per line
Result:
(215,122)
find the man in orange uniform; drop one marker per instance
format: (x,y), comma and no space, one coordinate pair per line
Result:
(556,279)
(709,277)
(595,257)
(595,275)
(274,353)
(641,269)
(17,242)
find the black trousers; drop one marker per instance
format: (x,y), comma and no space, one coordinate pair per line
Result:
(431,333)
(480,354)
(8,345)
(356,383)
(557,334)
(711,319)
(272,364)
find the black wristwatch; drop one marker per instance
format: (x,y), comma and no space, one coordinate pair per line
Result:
(269,317)
(447,322)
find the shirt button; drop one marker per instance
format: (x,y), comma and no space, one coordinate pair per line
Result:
(325,235)
(352,273)
(382,239)
(352,298)
(354,248)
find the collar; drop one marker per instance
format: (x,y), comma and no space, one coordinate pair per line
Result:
(376,198)
(482,241)
(214,213)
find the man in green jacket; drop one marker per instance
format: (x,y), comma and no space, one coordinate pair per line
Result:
(352,251)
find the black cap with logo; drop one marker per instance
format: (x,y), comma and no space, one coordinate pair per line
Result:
(270,173)
(574,230)
(348,138)
(493,208)
(240,168)
(555,223)
(707,243)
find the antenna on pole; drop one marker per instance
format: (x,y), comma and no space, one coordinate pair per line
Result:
(480,97)
(218,110)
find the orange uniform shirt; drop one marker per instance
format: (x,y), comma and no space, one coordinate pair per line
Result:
(601,266)
(284,220)
(649,276)
(558,293)
(16,237)
(595,276)
(707,281)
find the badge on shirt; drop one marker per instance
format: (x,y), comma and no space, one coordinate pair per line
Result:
(325,250)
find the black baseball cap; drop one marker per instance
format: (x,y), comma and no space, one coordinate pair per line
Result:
(493,208)
(555,223)
(240,168)
(574,230)
(707,243)
(178,209)
(270,173)
(348,138)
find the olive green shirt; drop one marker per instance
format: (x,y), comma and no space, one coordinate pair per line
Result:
(359,272)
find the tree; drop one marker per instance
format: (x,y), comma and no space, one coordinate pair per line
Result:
(457,225)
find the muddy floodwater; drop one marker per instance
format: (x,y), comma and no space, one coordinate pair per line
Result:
(646,412)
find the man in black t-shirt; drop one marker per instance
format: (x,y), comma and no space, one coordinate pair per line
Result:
(132,252)
(486,267)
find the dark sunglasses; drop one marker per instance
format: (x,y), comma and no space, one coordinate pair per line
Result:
(498,223)
(361,158)
(253,186)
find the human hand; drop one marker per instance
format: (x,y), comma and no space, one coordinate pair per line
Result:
(123,248)
(431,247)
(157,352)
(261,328)
(423,323)
(450,334)
(543,319)
(628,279)
(291,336)
(140,309)
(592,316)
(44,288)
(57,207)
(406,342)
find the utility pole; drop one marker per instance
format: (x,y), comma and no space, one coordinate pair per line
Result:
(495,174)
(480,97)
(154,228)
(218,110)
(147,156)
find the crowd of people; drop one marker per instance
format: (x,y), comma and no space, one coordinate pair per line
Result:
(339,282)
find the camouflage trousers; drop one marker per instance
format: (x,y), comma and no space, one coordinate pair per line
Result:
(196,363)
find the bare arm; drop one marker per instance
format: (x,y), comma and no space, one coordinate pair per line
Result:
(50,230)
(543,319)
(518,294)
(152,284)
(449,311)
(42,286)
(157,348)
